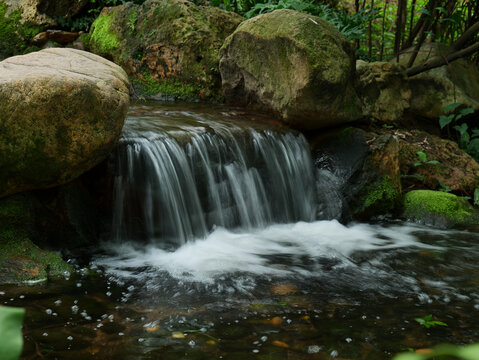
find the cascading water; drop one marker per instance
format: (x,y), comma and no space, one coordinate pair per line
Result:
(178,176)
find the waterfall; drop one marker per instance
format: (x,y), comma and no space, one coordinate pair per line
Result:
(171,186)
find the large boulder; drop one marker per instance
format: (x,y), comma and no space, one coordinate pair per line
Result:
(61,113)
(434,89)
(293,64)
(170,48)
(383,89)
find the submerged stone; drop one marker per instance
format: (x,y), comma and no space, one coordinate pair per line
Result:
(170,48)
(61,113)
(295,65)
(439,209)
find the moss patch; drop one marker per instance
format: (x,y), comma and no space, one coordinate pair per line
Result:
(15,36)
(102,36)
(439,209)
(20,259)
(379,198)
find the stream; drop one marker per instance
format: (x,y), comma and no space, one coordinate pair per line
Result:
(216,251)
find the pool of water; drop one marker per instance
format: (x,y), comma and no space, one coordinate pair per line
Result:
(317,290)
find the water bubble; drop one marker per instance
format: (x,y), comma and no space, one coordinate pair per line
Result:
(334,353)
(140,340)
(192,343)
(49,311)
(131,288)
(75,309)
(78,284)
(21,297)
(45,334)
(108,293)
(313,349)
(348,340)
(99,325)
(58,302)
(55,314)
(255,351)
(363,317)
(2,292)
(264,338)
(111,317)
(121,334)
(70,338)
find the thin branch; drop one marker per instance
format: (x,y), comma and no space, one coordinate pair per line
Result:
(440,61)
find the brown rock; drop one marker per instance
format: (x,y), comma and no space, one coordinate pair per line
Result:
(383,89)
(62,37)
(456,169)
(61,113)
(40,38)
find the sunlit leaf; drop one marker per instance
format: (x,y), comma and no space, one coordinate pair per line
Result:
(11,320)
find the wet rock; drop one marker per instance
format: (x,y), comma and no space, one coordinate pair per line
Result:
(283,289)
(40,38)
(169,47)
(294,65)
(439,209)
(456,169)
(383,89)
(357,174)
(436,88)
(61,113)
(20,259)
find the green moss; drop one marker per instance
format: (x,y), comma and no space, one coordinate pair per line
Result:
(102,37)
(14,36)
(172,88)
(379,198)
(439,209)
(20,259)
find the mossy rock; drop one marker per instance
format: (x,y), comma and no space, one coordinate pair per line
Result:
(379,198)
(57,122)
(15,34)
(439,209)
(169,48)
(20,259)
(293,64)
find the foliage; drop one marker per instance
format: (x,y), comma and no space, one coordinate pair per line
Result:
(443,186)
(469,352)
(423,159)
(11,320)
(427,322)
(468,139)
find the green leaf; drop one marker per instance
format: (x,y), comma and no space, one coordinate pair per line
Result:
(433,162)
(442,9)
(11,320)
(466,111)
(476,196)
(461,128)
(422,156)
(475,132)
(470,352)
(410,356)
(445,120)
(451,107)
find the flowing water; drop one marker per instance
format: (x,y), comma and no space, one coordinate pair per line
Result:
(216,253)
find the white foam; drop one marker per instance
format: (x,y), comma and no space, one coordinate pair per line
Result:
(260,252)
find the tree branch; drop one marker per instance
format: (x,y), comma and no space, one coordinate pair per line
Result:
(440,61)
